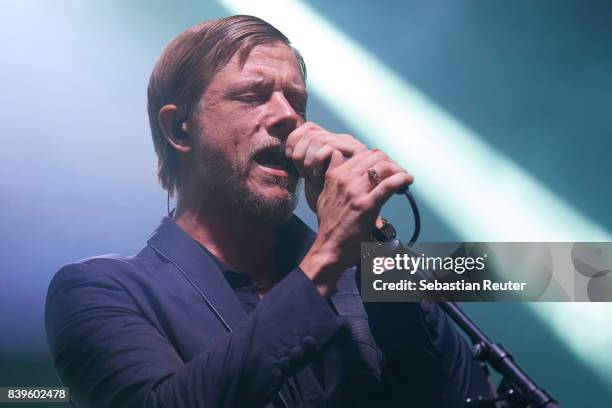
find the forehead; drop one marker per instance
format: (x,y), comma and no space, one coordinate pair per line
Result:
(270,61)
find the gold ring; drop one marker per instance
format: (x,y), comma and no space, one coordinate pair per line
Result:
(373,175)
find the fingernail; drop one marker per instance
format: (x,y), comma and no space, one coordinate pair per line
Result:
(288,151)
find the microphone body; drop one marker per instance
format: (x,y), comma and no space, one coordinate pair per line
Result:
(286,164)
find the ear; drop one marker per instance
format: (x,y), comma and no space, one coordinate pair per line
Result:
(172,122)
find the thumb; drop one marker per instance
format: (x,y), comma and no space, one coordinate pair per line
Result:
(337,159)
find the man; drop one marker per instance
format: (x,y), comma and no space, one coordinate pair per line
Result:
(234,302)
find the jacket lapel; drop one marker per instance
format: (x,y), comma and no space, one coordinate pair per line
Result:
(193,264)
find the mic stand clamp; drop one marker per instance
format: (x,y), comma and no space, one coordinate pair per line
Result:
(516,389)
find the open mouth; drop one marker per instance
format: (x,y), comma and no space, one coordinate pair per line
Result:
(268,158)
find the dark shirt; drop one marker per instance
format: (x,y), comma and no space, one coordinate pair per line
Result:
(247,294)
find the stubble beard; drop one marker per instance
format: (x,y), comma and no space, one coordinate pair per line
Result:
(228,181)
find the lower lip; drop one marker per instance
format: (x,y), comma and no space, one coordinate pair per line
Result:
(273,171)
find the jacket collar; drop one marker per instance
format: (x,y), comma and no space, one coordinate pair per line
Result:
(173,244)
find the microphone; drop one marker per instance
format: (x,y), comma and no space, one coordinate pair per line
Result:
(285,163)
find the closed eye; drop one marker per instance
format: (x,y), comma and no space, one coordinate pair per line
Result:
(298,100)
(300,109)
(251,98)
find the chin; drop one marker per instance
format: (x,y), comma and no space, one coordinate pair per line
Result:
(262,200)
(272,205)
(276,192)
(270,211)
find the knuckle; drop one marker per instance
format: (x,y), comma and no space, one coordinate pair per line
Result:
(386,167)
(298,156)
(308,161)
(293,137)
(342,182)
(311,126)
(353,191)
(355,143)
(358,205)
(321,155)
(364,203)
(362,154)
(331,177)
(382,156)
(316,143)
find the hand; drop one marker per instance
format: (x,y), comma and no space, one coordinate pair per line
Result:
(347,209)
(310,147)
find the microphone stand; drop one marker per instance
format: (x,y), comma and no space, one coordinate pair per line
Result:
(516,389)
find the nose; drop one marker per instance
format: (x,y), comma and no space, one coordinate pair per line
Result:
(283,118)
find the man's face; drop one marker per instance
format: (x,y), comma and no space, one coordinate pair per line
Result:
(245,113)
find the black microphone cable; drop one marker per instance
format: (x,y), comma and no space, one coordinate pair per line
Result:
(415,215)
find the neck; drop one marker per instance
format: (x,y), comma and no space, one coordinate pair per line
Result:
(231,236)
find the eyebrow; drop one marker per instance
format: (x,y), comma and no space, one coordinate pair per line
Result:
(258,83)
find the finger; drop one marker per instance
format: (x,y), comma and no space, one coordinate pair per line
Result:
(386,188)
(354,161)
(379,222)
(379,161)
(347,144)
(336,161)
(298,134)
(315,144)
(299,153)
(359,163)
(304,142)
(317,159)
(324,143)
(386,169)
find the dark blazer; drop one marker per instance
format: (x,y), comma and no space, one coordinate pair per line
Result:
(164,329)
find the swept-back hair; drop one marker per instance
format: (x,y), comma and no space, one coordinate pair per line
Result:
(188,64)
